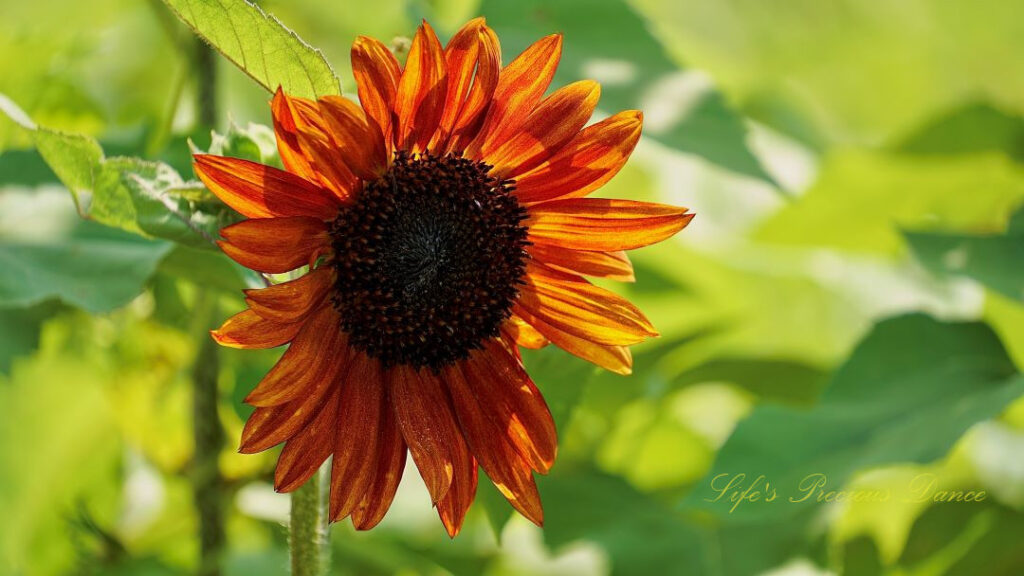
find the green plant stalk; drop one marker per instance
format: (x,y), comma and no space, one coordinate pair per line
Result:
(308,527)
(207,483)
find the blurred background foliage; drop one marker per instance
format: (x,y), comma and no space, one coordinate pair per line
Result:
(848,300)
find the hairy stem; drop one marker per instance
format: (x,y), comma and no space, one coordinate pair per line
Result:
(309,527)
(207,483)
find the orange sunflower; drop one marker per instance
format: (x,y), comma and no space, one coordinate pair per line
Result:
(444,223)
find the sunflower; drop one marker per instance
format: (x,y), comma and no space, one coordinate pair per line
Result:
(443,223)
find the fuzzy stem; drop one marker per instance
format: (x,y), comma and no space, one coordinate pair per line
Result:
(309,527)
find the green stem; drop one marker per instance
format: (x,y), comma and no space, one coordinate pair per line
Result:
(309,527)
(207,483)
(206,84)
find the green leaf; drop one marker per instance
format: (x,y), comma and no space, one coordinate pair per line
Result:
(995,261)
(638,532)
(862,199)
(972,128)
(907,393)
(146,198)
(259,45)
(95,268)
(609,42)
(20,329)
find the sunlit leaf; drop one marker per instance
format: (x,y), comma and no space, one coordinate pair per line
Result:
(147,198)
(861,200)
(259,45)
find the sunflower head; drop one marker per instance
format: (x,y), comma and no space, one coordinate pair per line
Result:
(441,224)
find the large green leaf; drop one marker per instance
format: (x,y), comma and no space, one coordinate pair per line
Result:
(147,198)
(995,261)
(907,393)
(259,45)
(609,42)
(95,268)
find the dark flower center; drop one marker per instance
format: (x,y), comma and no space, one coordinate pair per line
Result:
(429,258)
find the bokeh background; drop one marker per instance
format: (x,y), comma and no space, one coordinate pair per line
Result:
(847,302)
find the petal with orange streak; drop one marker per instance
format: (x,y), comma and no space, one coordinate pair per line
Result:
(585,163)
(520,87)
(572,304)
(611,265)
(555,121)
(510,399)
(388,468)
(377,75)
(614,358)
(427,424)
(517,330)
(316,144)
(460,57)
(453,507)
(248,329)
(604,225)
(360,142)
(485,80)
(275,245)
(510,474)
(291,301)
(419,102)
(361,408)
(268,426)
(259,191)
(295,373)
(306,451)
(285,131)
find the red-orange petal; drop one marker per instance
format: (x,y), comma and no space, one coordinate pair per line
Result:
(460,56)
(313,136)
(275,245)
(485,80)
(294,373)
(453,507)
(286,133)
(572,304)
(388,468)
(427,424)
(259,191)
(602,224)
(377,75)
(248,329)
(291,301)
(517,330)
(269,426)
(555,121)
(359,141)
(611,265)
(305,452)
(361,409)
(419,102)
(614,358)
(520,87)
(508,397)
(585,163)
(507,470)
